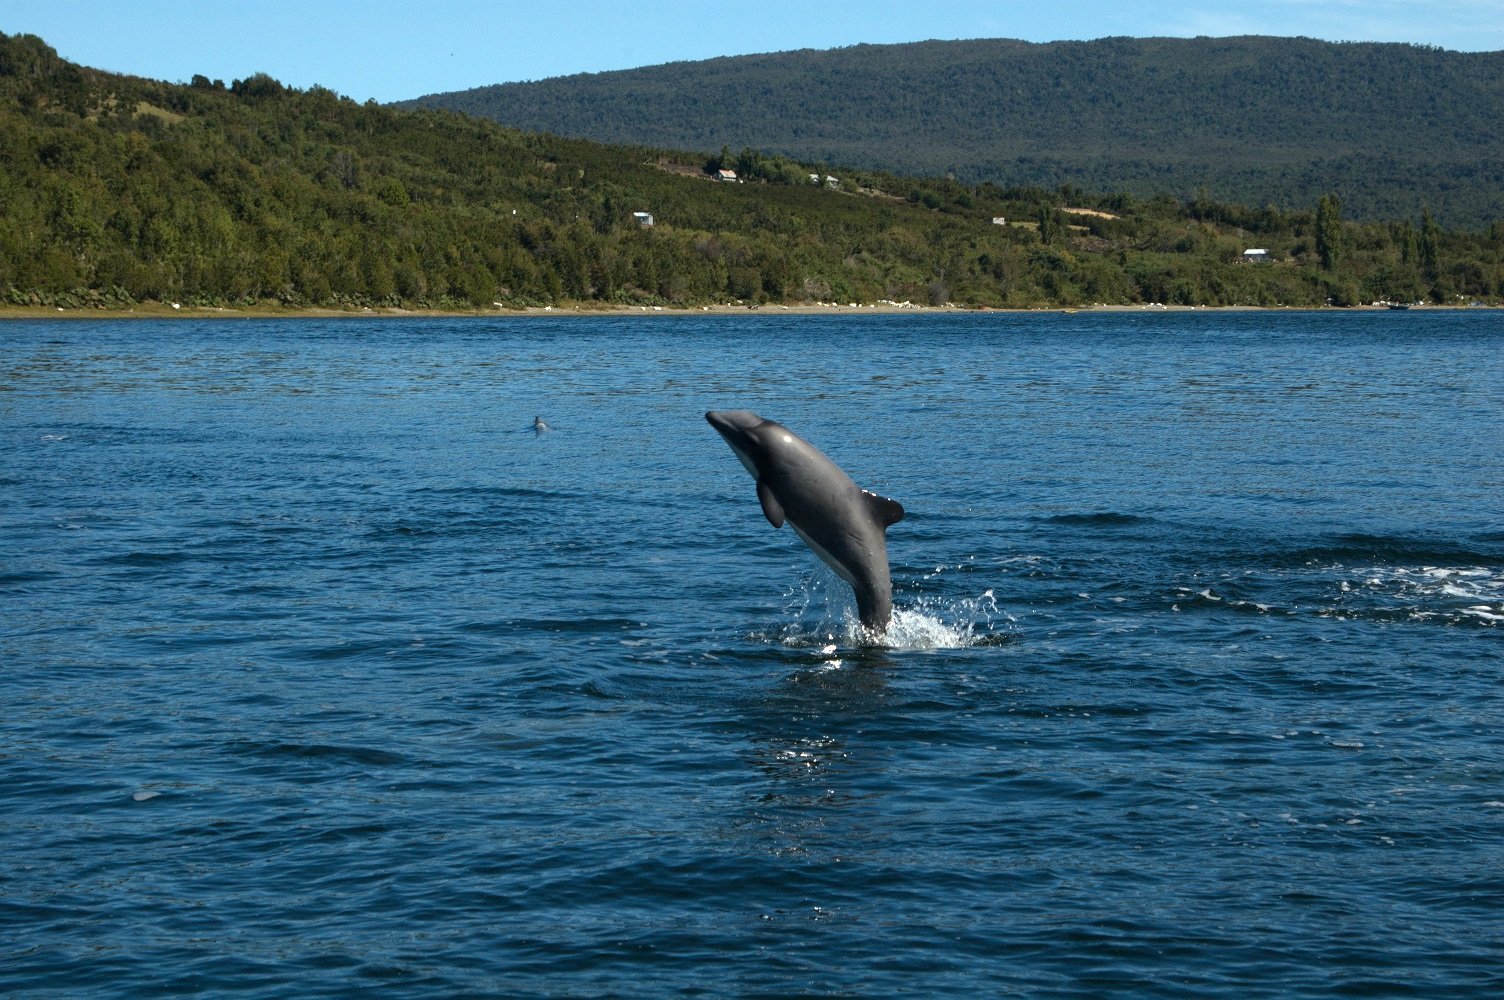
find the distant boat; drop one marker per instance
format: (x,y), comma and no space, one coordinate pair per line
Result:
(1398,305)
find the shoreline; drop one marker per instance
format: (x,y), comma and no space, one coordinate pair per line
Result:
(159,310)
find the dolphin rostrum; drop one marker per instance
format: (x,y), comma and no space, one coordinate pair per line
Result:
(842,523)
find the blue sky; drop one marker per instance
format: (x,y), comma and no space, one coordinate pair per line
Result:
(389,50)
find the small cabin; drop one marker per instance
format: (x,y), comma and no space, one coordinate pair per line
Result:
(1254,256)
(643,219)
(729,176)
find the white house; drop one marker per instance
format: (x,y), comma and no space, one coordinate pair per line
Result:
(644,219)
(1254,256)
(726,175)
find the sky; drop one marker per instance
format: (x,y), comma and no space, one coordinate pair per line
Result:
(389,50)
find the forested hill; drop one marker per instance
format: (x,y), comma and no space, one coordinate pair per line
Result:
(1390,128)
(116,190)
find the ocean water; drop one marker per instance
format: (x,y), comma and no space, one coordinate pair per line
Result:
(322,671)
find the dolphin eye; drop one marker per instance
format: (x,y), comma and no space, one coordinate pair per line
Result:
(788,439)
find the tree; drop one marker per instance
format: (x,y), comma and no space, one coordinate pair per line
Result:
(1430,247)
(1329,231)
(1051,223)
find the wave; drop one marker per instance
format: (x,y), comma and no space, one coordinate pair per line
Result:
(1459,595)
(346,754)
(1465,595)
(1396,550)
(25,576)
(137,559)
(1101,519)
(1395,578)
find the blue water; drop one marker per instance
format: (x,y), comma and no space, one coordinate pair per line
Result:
(322,671)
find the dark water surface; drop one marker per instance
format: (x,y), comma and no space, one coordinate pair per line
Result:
(321,671)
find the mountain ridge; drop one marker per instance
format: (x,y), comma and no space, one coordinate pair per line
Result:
(1392,128)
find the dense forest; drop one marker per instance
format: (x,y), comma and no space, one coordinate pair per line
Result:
(1390,129)
(117,190)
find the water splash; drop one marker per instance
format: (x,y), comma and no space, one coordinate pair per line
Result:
(950,623)
(821,613)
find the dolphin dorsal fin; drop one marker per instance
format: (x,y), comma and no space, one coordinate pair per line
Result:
(771,508)
(887,512)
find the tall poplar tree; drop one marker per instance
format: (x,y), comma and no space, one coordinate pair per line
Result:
(1329,231)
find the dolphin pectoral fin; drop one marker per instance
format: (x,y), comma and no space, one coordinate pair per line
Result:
(886,511)
(771,508)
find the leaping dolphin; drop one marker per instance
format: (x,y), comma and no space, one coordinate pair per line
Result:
(842,523)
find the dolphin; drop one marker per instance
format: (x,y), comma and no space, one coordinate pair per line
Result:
(842,523)
(540,426)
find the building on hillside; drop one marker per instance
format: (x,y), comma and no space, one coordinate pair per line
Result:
(1252,256)
(644,219)
(729,176)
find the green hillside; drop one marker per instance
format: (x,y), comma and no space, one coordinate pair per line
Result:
(116,190)
(1391,129)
